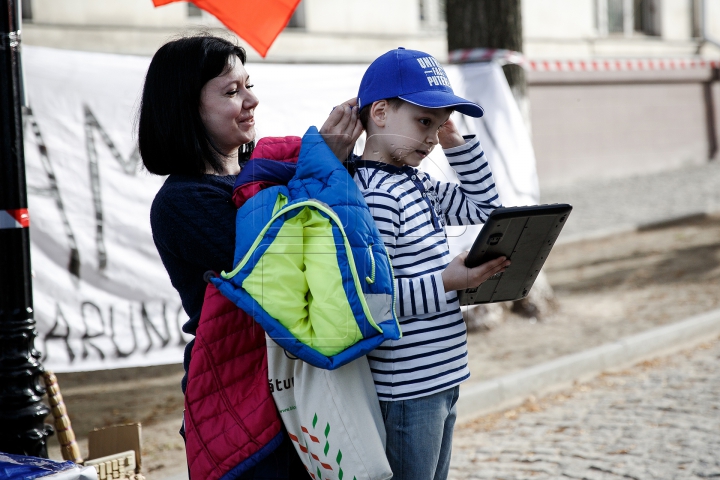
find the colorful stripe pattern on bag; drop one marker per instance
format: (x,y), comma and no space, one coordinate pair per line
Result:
(309,447)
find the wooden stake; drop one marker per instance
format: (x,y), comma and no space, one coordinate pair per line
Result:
(68,446)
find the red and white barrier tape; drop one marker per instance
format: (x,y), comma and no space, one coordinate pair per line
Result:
(620,65)
(505,57)
(18,218)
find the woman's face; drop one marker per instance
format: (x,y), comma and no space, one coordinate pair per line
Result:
(227,109)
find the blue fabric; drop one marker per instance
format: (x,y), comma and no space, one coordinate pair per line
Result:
(260,169)
(276,460)
(21,467)
(419,435)
(320,177)
(285,339)
(193,227)
(415,77)
(252,218)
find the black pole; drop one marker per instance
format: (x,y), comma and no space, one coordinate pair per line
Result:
(22,413)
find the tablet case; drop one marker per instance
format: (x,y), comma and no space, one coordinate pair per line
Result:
(525,235)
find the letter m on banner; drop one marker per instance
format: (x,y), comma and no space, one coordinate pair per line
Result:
(129,167)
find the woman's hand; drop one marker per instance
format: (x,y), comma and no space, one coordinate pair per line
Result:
(342,129)
(449,136)
(457,276)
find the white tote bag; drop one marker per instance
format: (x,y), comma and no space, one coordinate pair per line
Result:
(332,416)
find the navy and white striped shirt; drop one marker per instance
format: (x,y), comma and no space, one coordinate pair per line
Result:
(411,210)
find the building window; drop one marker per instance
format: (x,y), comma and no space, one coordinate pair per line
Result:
(298,17)
(193,10)
(628,17)
(442,10)
(647,18)
(697,18)
(432,14)
(615,16)
(27,13)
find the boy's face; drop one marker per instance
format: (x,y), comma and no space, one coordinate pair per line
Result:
(406,135)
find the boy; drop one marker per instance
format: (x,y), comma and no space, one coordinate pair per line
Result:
(405,102)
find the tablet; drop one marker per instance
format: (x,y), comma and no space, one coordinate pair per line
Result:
(525,235)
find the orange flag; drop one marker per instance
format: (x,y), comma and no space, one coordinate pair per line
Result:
(258,22)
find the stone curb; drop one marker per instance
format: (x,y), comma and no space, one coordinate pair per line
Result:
(511,390)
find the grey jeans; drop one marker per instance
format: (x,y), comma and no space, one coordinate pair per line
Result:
(419,435)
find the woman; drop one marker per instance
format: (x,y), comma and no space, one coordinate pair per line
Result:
(197,125)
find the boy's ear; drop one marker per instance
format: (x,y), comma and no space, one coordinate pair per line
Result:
(378,112)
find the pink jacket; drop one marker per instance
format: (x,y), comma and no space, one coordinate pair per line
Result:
(231,422)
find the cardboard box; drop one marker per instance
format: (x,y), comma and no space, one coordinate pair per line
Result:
(118,438)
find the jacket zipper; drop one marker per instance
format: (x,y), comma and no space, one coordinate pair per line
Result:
(371,278)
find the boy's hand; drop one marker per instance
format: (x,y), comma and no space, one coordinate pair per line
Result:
(342,129)
(449,136)
(457,276)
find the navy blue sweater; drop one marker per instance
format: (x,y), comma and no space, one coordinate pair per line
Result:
(193,226)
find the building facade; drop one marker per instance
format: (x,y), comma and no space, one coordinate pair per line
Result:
(593,114)
(360,30)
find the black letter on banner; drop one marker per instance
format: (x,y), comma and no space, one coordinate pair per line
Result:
(148,325)
(51,335)
(87,337)
(181,342)
(129,166)
(54,192)
(119,352)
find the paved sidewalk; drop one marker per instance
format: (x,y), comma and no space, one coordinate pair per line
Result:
(624,203)
(659,419)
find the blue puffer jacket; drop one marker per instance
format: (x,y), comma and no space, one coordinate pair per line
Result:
(310,265)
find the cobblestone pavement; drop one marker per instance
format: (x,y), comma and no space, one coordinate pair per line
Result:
(657,420)
(607,205)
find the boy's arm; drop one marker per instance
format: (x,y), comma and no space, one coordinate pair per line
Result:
(476,197)
(416,295)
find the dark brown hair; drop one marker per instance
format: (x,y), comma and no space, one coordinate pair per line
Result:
(171,135)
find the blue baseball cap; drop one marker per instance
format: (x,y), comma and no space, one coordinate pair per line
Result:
(415,77)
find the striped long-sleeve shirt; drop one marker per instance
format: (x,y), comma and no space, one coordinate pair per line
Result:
(411,210)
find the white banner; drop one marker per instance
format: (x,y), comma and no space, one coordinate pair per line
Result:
(102,297)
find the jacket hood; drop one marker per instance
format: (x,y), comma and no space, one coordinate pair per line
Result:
(273,162)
